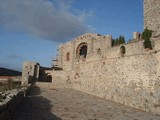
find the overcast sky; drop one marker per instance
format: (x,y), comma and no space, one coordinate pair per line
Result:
(33,29)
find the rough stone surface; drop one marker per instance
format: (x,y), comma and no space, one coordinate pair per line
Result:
(10,101)
(131,78)
(69,104)
(30,73)
(151,15)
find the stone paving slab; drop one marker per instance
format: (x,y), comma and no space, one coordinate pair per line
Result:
(69,104)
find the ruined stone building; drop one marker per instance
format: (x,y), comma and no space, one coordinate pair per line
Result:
(127,73)
(30,72)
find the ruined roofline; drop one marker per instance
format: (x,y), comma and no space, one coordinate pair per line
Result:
(136,38)
(29,62)
(95,35)
(91,35)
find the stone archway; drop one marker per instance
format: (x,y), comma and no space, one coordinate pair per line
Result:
(48,78)
(82,50)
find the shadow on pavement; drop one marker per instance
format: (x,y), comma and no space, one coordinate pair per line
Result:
(34,107)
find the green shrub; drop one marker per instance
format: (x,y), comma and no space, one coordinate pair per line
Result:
(118,41)
(146,35)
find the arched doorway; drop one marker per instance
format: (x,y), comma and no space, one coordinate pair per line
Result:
(49,78)
(82,50)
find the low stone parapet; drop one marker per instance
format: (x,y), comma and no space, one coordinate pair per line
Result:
(14,78)
(9,101)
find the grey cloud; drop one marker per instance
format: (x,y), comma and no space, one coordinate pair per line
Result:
(13,57)
(43,18)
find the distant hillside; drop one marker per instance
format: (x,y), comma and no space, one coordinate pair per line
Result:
(9,72)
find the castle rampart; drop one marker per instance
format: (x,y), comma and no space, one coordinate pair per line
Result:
(126,73)
(131,79)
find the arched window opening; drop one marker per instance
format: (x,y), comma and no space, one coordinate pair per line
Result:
(82,50)
(122,50)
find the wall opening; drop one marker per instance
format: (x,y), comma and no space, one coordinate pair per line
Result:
(49,78)
(122,50)
(67,56)
(82,50)
(44,76)
(99,51)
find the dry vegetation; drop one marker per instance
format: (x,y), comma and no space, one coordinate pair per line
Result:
(8,85)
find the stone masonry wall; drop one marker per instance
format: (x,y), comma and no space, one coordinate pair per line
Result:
(30,72)
(151,15)
(10,102)
(132,79)
(93,41)
(66,64)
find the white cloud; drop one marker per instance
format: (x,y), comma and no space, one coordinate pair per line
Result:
(43,18)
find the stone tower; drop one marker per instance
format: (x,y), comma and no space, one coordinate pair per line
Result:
(30,73)
(152,15)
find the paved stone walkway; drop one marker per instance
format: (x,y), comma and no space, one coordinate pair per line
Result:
(69,104)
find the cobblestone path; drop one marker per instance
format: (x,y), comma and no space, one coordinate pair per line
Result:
(69,104)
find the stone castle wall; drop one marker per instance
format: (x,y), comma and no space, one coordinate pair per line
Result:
(93,41)
(131,78)
(151,15)
(99,47)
